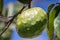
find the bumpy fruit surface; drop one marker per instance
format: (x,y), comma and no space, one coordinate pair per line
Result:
(31,22)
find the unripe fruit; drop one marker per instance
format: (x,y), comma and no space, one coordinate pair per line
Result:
(30,23)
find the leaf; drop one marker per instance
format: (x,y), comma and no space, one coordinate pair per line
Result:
(52,15)
(50,7)
(57,25)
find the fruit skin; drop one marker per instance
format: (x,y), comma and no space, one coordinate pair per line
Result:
(57,25)
(31,23)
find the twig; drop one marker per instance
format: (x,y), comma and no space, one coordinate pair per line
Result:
(7,26)
(4,19)
(29,2)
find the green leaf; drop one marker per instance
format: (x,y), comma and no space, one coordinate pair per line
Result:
(50,7)
(52,15)
(57,25)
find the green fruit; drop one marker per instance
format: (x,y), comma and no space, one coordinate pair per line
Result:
(57,25)
(31,23)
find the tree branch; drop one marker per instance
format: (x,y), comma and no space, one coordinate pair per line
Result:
(29,3)
(4,19)
(10,21)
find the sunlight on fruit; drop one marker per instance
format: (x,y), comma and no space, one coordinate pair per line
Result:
(30,23)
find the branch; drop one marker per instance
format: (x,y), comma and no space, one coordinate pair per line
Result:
(4,19)
(29,3)
(10,21)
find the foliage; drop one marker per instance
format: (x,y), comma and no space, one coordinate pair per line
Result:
(57,25)
(54,11)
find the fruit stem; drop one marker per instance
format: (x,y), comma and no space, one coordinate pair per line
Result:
(29,3)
